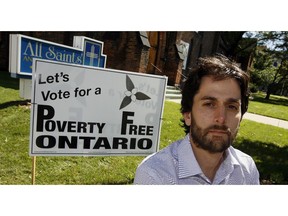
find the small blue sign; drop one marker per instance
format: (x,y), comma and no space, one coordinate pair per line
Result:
(93,55)
(28,48)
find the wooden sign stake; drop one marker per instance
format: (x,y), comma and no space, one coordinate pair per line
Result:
(33,169)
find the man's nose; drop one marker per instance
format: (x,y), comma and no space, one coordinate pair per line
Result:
(220,115)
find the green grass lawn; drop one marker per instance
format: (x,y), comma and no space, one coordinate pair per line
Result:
(275,107)
(266,144)
(269,148)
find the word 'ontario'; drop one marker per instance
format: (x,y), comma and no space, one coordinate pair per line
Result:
(46,123)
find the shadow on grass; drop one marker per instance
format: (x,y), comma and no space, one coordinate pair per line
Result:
(15,103)
(7,81)
(271,160)
(272,100)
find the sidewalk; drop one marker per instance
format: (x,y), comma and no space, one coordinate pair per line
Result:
(257,118)
(266,120)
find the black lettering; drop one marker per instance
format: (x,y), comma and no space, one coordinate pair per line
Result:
(102,142)
(53,96)
(65,140)
(50,79)
(86,141)
(120,141)
(57,77)
(81,127)
(91,125)
(44,112)
(50,125)
(141,130)
(149,131)
(61,127)
(141,143)
(126,121)
(49,143)
(100,127)
(133,143)
(71,126)
(133,129)
(45,97)
(40,81)
(97,91)
(66,77)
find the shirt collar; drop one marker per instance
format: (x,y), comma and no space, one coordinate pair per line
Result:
(230,158)
(188,165)
(227,167)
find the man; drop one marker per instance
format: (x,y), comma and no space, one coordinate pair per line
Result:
(214,100)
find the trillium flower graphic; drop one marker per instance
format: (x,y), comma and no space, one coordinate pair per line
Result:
(132,94)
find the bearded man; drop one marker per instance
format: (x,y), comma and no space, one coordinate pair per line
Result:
(214,99)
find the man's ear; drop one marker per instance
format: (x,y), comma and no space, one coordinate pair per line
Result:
(187,118)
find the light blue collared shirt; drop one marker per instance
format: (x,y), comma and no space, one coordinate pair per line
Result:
(176,164)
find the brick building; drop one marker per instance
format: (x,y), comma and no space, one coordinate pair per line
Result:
(171,54)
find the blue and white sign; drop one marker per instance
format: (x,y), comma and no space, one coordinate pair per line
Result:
(93,55)
(23,49)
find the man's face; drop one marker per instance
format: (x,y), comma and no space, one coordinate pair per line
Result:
(216,114)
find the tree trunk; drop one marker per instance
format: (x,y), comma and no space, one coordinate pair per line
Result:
(267,95)
(269,91)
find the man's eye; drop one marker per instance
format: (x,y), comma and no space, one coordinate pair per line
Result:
(233,107)
(209,104)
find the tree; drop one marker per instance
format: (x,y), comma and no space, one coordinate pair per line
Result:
(263,71)
(272,58)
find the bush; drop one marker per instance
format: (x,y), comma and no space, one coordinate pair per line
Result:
(253,88)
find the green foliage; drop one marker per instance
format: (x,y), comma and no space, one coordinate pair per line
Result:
(262,60)
(270,64)
(263,70)
(262,78)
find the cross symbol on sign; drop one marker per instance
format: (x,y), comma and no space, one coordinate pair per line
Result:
(92,55)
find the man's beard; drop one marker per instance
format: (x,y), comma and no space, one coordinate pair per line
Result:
(213,144)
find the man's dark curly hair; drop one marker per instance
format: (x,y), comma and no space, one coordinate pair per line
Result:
(219,68)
